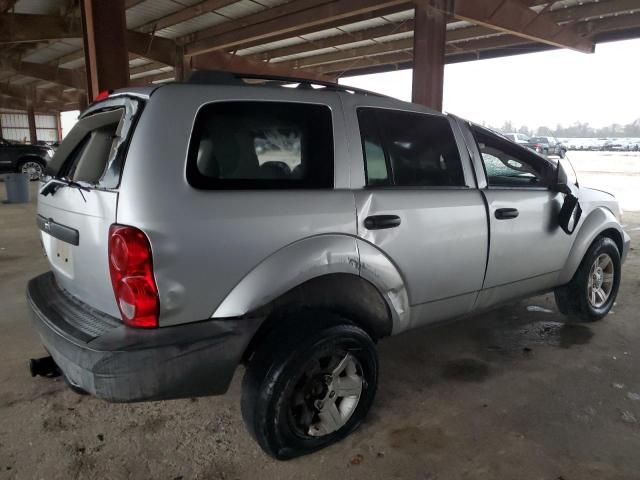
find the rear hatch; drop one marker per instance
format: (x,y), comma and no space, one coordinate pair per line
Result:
(79,196)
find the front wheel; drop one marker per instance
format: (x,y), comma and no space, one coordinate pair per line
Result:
(310,384)
(592,291)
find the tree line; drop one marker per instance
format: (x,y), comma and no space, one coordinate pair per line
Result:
(578,130)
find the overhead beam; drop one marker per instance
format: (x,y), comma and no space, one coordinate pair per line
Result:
(285,9)
(18,28)
(293,24)
(514,17)
(182,15)
(6,5)
(234,63)
(335,40)
(48,73)
(152,47)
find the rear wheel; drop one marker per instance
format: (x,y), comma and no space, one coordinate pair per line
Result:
(309,384)
(592,292)
(33,168)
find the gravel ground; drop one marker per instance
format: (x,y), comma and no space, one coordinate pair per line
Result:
(513,393)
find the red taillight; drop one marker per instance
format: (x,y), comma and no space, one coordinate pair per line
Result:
(103,95)
(131,268)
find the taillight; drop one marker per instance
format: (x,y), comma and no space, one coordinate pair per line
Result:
(103,95)
(131,269)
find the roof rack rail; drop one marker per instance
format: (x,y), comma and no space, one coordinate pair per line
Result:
(220,77)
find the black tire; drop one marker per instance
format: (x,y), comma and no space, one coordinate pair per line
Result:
(573,299)
(31,160)
(277,370)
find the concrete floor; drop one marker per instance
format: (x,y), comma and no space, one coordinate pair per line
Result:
(512,394)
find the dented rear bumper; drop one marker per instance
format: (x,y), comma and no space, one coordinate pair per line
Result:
(100,355)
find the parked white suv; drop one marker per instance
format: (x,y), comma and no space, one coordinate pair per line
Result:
(192,227)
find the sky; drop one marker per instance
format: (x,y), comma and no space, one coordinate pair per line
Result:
(545,88)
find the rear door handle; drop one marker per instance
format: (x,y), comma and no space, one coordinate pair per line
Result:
(379,222)
(506,213)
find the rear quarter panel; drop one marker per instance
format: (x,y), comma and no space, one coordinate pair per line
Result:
(205,242)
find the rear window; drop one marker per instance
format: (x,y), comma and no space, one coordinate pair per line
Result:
(261,145)
(94,151)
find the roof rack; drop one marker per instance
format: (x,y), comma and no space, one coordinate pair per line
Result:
(220,77)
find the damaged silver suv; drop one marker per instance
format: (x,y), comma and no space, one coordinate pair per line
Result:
(288,227)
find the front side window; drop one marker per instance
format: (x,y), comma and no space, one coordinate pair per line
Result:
(409,149)
(261,145)
(509,165)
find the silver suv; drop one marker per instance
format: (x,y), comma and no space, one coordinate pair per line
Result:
(194,227)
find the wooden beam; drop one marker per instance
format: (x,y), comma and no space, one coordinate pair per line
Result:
(293,24)
(105,45)
(40,96)
(48,73)
(152,47)
(182,15)
(348,54)
(429,39)
(514,17)
(288,8)
(403,59)
(31,120)
(18,28)
(6,5)
(237,64)
(335,40)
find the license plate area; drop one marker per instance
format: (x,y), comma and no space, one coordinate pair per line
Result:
(61,256)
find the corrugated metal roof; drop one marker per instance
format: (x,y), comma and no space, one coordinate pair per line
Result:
(308,44)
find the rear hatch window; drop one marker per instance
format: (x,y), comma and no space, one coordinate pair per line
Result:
(94,150)
(78,201)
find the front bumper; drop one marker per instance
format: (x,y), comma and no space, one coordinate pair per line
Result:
(100,355)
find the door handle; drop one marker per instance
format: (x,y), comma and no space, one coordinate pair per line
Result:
(379,222)
(506,213)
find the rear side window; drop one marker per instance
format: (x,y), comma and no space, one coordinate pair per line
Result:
(261,145)
(409,149)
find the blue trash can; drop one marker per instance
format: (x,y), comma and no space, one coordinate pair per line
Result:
(17,185)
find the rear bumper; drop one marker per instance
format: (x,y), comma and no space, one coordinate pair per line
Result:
(100,355)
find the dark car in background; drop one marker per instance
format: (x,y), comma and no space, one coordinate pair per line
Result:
(548,146)
(20,158)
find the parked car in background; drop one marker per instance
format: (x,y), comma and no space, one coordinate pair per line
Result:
(519,138)
(18,157)
(292,240)
(548,146)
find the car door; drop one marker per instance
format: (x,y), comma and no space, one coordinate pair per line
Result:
(527,247)
(417,204)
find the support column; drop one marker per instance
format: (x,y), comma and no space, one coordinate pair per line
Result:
(105,48)
(181,68)
(82,103)
(429,38)
(31,118)
(59,125)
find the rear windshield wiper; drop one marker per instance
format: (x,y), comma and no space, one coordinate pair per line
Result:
(54,184)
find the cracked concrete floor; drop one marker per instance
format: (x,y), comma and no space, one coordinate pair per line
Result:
(511,394)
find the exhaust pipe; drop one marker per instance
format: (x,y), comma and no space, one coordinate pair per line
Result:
(45,367)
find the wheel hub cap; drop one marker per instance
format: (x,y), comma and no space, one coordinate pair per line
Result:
(600,282)
(329,398)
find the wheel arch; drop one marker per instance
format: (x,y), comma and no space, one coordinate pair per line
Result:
(600,222)
(349,296)
(30,157)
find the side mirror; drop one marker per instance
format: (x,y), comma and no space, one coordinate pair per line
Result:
(560,183)
(570,212)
